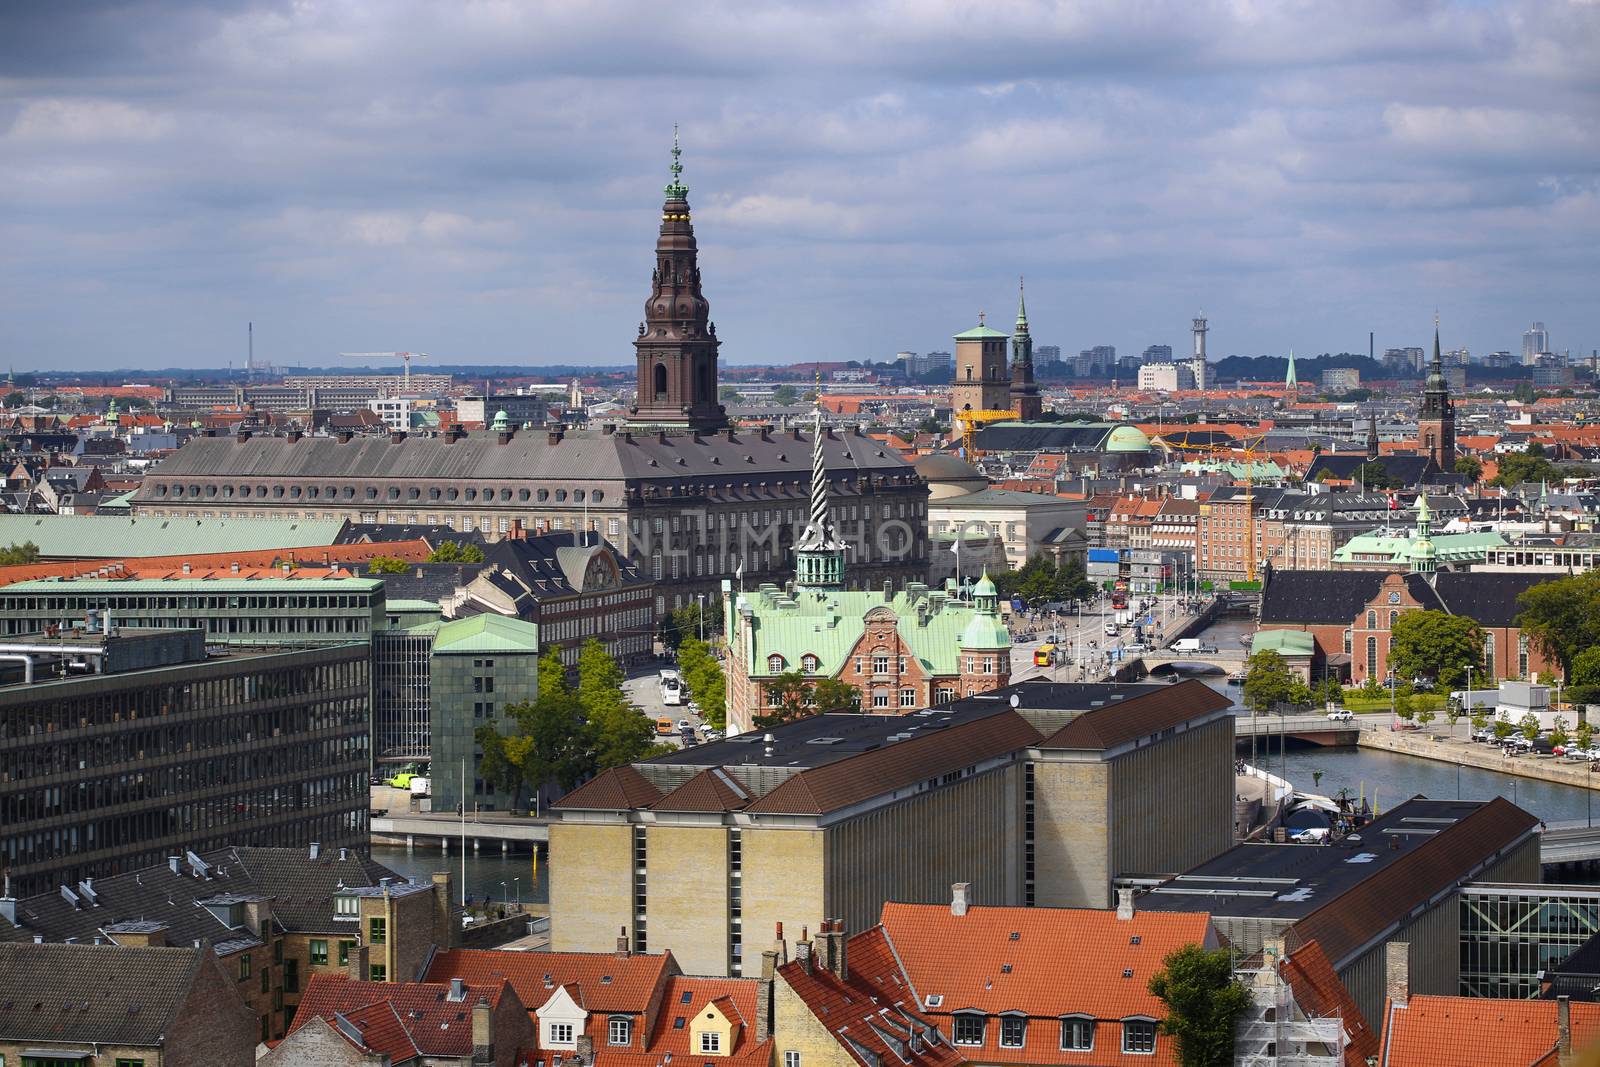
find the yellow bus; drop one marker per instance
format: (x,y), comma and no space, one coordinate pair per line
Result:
(1044,656)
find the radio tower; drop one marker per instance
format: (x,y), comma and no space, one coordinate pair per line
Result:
(1198,364)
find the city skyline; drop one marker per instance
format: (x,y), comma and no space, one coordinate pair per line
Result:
(481,184)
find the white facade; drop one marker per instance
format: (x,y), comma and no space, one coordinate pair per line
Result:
(1166,377)
(395,411)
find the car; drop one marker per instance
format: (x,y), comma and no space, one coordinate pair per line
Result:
(1208,650)
(685,724)
(713,735)
(1341,715)
(1311,835)
(663,726)
(1111,630)
(1137,648)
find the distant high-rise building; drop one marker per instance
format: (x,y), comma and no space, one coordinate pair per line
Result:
(1047,354)
(1400,361)
(1097,362)
(1158,354)
(1166,377)
(1535,339)
(1197,364)
(1457,357)
(1498,359)
(933,362)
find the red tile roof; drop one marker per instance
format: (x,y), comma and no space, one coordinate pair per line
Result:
(437,1025)
(1045,963)
(381,1030)
(1433,1031)
(1321,995)
(713,789)
(736,998)
(605,981)
(870,1007)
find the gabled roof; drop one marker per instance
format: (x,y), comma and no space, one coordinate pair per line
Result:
(1489,597)
(1142,716)
(93,993)
(617,789)
(89,536)
(683,999)
(599,981)
(713,789)
(377,1028)
(1320,994)
(434,1023)
(871,1007)
(487,633)
(1047,962)
(1437,1031)
(1325,597)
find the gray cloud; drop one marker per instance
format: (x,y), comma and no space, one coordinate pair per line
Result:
(481,180)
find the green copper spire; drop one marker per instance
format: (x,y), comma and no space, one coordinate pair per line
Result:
(1289,379)
(677,190)
(1022,307)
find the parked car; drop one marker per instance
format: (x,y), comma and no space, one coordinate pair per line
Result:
(1208,650)
(685,724)
(1136,649)
(1311,835)
(1341,715)
(1111,630)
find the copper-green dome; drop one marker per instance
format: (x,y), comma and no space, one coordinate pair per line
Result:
(1127,439)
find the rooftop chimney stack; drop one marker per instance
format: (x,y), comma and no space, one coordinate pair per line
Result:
(1125,903)
(1564,1030)
(960,894)
(482,1032)
(316,849)
(622,942)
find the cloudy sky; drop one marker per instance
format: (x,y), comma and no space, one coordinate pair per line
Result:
(481,179)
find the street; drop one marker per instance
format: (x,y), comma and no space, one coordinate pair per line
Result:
(1081,640)
(643,690)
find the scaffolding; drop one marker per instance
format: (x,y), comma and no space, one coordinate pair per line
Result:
(1274,1030)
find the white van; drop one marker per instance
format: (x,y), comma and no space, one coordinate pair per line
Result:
(1185,646)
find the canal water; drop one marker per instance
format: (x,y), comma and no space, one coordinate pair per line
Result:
(489,873)
(1392,776)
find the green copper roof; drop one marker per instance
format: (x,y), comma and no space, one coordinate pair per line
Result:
(487,633)
(1127,439)
(981,333)
(412,606)
(985,633)
(985,587)
(105,536)
(1283,642)
(1395,547)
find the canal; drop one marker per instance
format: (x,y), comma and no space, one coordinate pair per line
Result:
(490,873)
(1392,777)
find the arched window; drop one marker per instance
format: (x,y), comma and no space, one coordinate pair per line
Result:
(1393,615)
(808,663)
(774,664)
(661,381)
(1372,620)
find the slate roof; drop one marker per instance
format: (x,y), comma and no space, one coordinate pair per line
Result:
(527,456)
(92,536)
(357,533)
(551,565)
(1490,597)
(432,582)
(1317,597)
(1437,1031)
(436,1025)
(301,890)
(93,993)
(1407,470)
(1320,994)
(1142,716)
(1045,436)
(872,1013)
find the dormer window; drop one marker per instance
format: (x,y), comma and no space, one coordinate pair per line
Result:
(561,1034)
(809,663)
(967,1028)
(346,906)
(774,664)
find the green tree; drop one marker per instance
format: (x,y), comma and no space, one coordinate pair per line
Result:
(1471,466)
(1528,726)
(789,693)
(1479,719)
(1332,690)
(1517,468)
(933,425)
(11,555)
(1374,475)
(1562,618)
(1299,693)
(1435,645)
(456,552)
(1425,715)
(387,565)
(620,734)
(1072,581)
(553,674)
(1584,681)
(703,674)
(835,695)
(1452,712)
(551,742)
(1502,729)
(1585,734)
(684,623)
(729,395)
(785,394)
(1403,706)
(1558,730)
(1267,682)
(1204,1001)
(16,399)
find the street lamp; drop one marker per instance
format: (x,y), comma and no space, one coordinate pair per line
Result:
(503,893)
(956,548)
(701,616)
(518,883)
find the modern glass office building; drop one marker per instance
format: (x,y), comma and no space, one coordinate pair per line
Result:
(1512,934)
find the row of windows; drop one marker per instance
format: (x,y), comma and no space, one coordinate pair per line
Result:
(488,493)
(1077,1032)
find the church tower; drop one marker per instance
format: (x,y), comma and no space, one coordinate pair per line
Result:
(983,381)
(677,343)
(819,554)
(1436,423)
(1025,399)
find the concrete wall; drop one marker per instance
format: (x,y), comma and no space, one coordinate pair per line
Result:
(912,851)
(688,902)
(1071,861)
(591,885)
(1171,803)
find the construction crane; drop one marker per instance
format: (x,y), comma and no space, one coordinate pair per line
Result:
(969,421)
(405,357)
(1249,449)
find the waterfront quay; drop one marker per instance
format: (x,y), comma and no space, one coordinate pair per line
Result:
(1465,753)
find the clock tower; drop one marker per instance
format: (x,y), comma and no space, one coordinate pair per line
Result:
(1436,423)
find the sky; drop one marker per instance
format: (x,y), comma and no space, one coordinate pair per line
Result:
(481,179)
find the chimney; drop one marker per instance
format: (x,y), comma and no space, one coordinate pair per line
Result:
(769,971)
(458,990)
(343,437)
(802,952)
(1397,971)
(482,1032)
(234,567)
(585,1049)
(1125,903)
(172,863)
(186,568)
(295,435)
(505,436)
(1564,1030)
(837,963)
(781,946)
(344,854)
(356,967)
(397,436)
(8,904)
(960,894)
(316,849)
(555,435)
(242,436)
(622,942)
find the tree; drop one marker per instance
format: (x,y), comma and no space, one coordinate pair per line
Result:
(1524,392)
(1403,706)
(387,565)
(1471,466)
(16,399)
(1425,715)
(1479,719)
(1435,645)
(797,694)
(1332,690)
(1517,468)
(1204,1000)
(834,695)
(1584,681)
(1267,682)
(551,742)
(1558,730)
(703,674)
(553,673)
(1528,726)
(1452,712)
(785,394)
(684,623)
(729,395)
(932,425)
(619,732)
(456,552)
(1502,729)
(1374,475)
(1585,734)
(1561,618)
(13,554)
(1299,693)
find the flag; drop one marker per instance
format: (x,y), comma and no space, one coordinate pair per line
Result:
(1394,503)
(738,572)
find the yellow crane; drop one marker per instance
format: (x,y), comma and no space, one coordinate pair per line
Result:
(970,421)
(1249,449)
